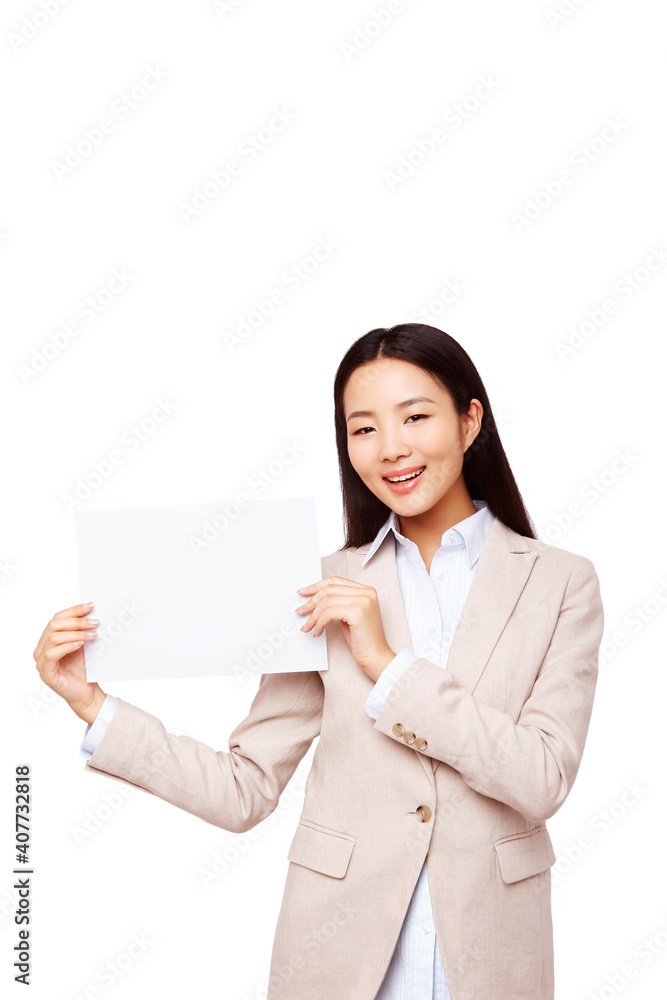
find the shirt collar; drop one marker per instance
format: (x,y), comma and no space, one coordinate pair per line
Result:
(471,529)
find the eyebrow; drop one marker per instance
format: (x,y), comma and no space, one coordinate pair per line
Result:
(398,406)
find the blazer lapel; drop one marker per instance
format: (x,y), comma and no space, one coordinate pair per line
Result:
(504,564)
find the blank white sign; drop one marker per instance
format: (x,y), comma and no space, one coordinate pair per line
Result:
(194,590)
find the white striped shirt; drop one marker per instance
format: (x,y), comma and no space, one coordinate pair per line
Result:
(94,733)
(433,604)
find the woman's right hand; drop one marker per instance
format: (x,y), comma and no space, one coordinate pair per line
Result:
(61,664)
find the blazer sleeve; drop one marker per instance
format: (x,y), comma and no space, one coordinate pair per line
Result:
(233,789)
(531,765)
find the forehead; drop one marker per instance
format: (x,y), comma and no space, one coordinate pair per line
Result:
(389,380)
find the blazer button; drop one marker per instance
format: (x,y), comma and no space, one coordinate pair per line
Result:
(409,737)
(397,729)
(420,743)
(423,814)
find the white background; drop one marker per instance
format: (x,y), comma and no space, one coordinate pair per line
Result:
(360,98)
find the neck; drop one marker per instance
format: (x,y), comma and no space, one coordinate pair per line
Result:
(426,530)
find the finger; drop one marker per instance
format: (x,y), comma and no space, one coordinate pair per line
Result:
(335,613)
(317,601)
(75,611)
(49,662)
(324,613)
(330,580)
(63,638)
(326,588)
(64,624)
(58,638)
(61,621)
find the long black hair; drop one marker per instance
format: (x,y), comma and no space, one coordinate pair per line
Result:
(486,471)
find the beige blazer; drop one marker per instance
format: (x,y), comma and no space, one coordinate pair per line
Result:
(463,764)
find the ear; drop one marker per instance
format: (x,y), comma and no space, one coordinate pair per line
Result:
(471,422)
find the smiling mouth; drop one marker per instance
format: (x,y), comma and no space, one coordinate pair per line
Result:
(404,479)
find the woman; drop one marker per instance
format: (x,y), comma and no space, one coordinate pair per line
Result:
(462,664)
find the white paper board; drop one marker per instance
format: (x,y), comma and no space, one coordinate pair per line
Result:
(194,590)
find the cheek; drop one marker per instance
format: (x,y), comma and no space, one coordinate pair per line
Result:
(356,457)
(442,445)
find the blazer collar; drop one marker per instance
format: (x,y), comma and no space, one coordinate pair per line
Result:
(504,564)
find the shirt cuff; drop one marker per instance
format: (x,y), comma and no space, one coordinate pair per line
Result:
(94,733)
(383,684)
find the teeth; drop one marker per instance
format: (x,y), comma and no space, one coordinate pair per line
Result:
(400,479)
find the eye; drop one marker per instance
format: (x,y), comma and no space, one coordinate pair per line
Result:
(417,415)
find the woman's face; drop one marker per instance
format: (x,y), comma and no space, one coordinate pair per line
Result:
(397,439)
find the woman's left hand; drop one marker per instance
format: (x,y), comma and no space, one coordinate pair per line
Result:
(357,609)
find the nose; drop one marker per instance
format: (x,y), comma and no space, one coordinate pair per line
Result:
(392,446)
